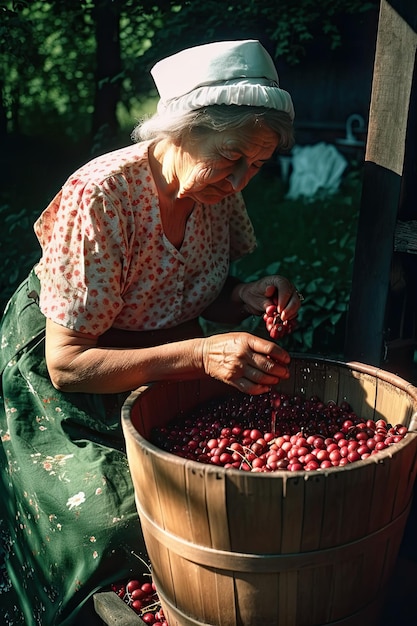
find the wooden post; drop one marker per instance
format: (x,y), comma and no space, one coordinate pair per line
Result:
(393,104)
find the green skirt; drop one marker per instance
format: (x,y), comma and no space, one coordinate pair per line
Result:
(68,522)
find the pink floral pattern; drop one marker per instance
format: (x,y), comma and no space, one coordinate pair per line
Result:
(107,263)
(69,519)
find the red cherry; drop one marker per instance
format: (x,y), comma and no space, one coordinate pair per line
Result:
(138,594)
(353,456)
(132,585)
(137,605)
(326,464)
(147,588)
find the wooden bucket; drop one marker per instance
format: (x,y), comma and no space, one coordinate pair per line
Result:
(232,548)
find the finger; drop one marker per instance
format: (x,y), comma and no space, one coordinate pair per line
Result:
(268,349)
(297,296)
(249,387)
(290,309)
(283,295)
(270,290)
(269,366)
(247,384)
(261,377)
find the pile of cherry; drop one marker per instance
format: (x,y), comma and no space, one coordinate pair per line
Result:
(265,433)
(276,431)
(140,594)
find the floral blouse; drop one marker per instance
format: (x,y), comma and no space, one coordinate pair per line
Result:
(106,261)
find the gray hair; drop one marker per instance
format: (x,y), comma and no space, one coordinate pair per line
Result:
(216,118)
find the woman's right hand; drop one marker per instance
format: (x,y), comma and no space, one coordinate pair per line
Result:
(78,363)
(245,361)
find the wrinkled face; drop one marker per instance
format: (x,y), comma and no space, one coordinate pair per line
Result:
(219,164)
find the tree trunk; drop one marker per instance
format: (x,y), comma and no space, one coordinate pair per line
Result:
(3,114)
(108,72)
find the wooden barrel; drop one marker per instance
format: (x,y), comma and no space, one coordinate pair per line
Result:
(234,548)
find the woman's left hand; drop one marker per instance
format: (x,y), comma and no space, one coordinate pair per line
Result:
(258,295)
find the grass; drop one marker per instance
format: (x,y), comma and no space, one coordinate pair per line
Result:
(321,230)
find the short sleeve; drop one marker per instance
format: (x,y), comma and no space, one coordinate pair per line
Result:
(83,244)
(106,261)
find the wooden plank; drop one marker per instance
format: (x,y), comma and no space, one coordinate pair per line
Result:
(391,89)
(113,611)
(222,604)
(365,332)
(388,126)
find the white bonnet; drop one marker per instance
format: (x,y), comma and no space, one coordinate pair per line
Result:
(223,72)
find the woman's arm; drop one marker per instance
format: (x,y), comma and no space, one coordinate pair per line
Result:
(77,363)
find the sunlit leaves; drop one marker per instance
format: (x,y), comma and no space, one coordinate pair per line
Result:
(48,49)
(312,243)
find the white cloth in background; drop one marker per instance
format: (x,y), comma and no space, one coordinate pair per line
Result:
(315,168)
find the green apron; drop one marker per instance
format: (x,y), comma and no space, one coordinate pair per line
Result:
(68,522)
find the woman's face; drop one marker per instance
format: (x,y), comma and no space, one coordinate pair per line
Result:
(220,164)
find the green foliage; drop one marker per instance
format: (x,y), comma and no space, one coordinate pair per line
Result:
(48,54)
(288,25)
(48,64)
(312,243)
(295,24)
(19,249)
(48,68)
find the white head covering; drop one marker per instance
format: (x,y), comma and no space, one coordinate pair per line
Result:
(224,72)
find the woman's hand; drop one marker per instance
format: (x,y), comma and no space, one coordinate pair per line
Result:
(249,363)
(78,363)
(258,295)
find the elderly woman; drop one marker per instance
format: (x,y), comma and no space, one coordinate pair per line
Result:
(136,247)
